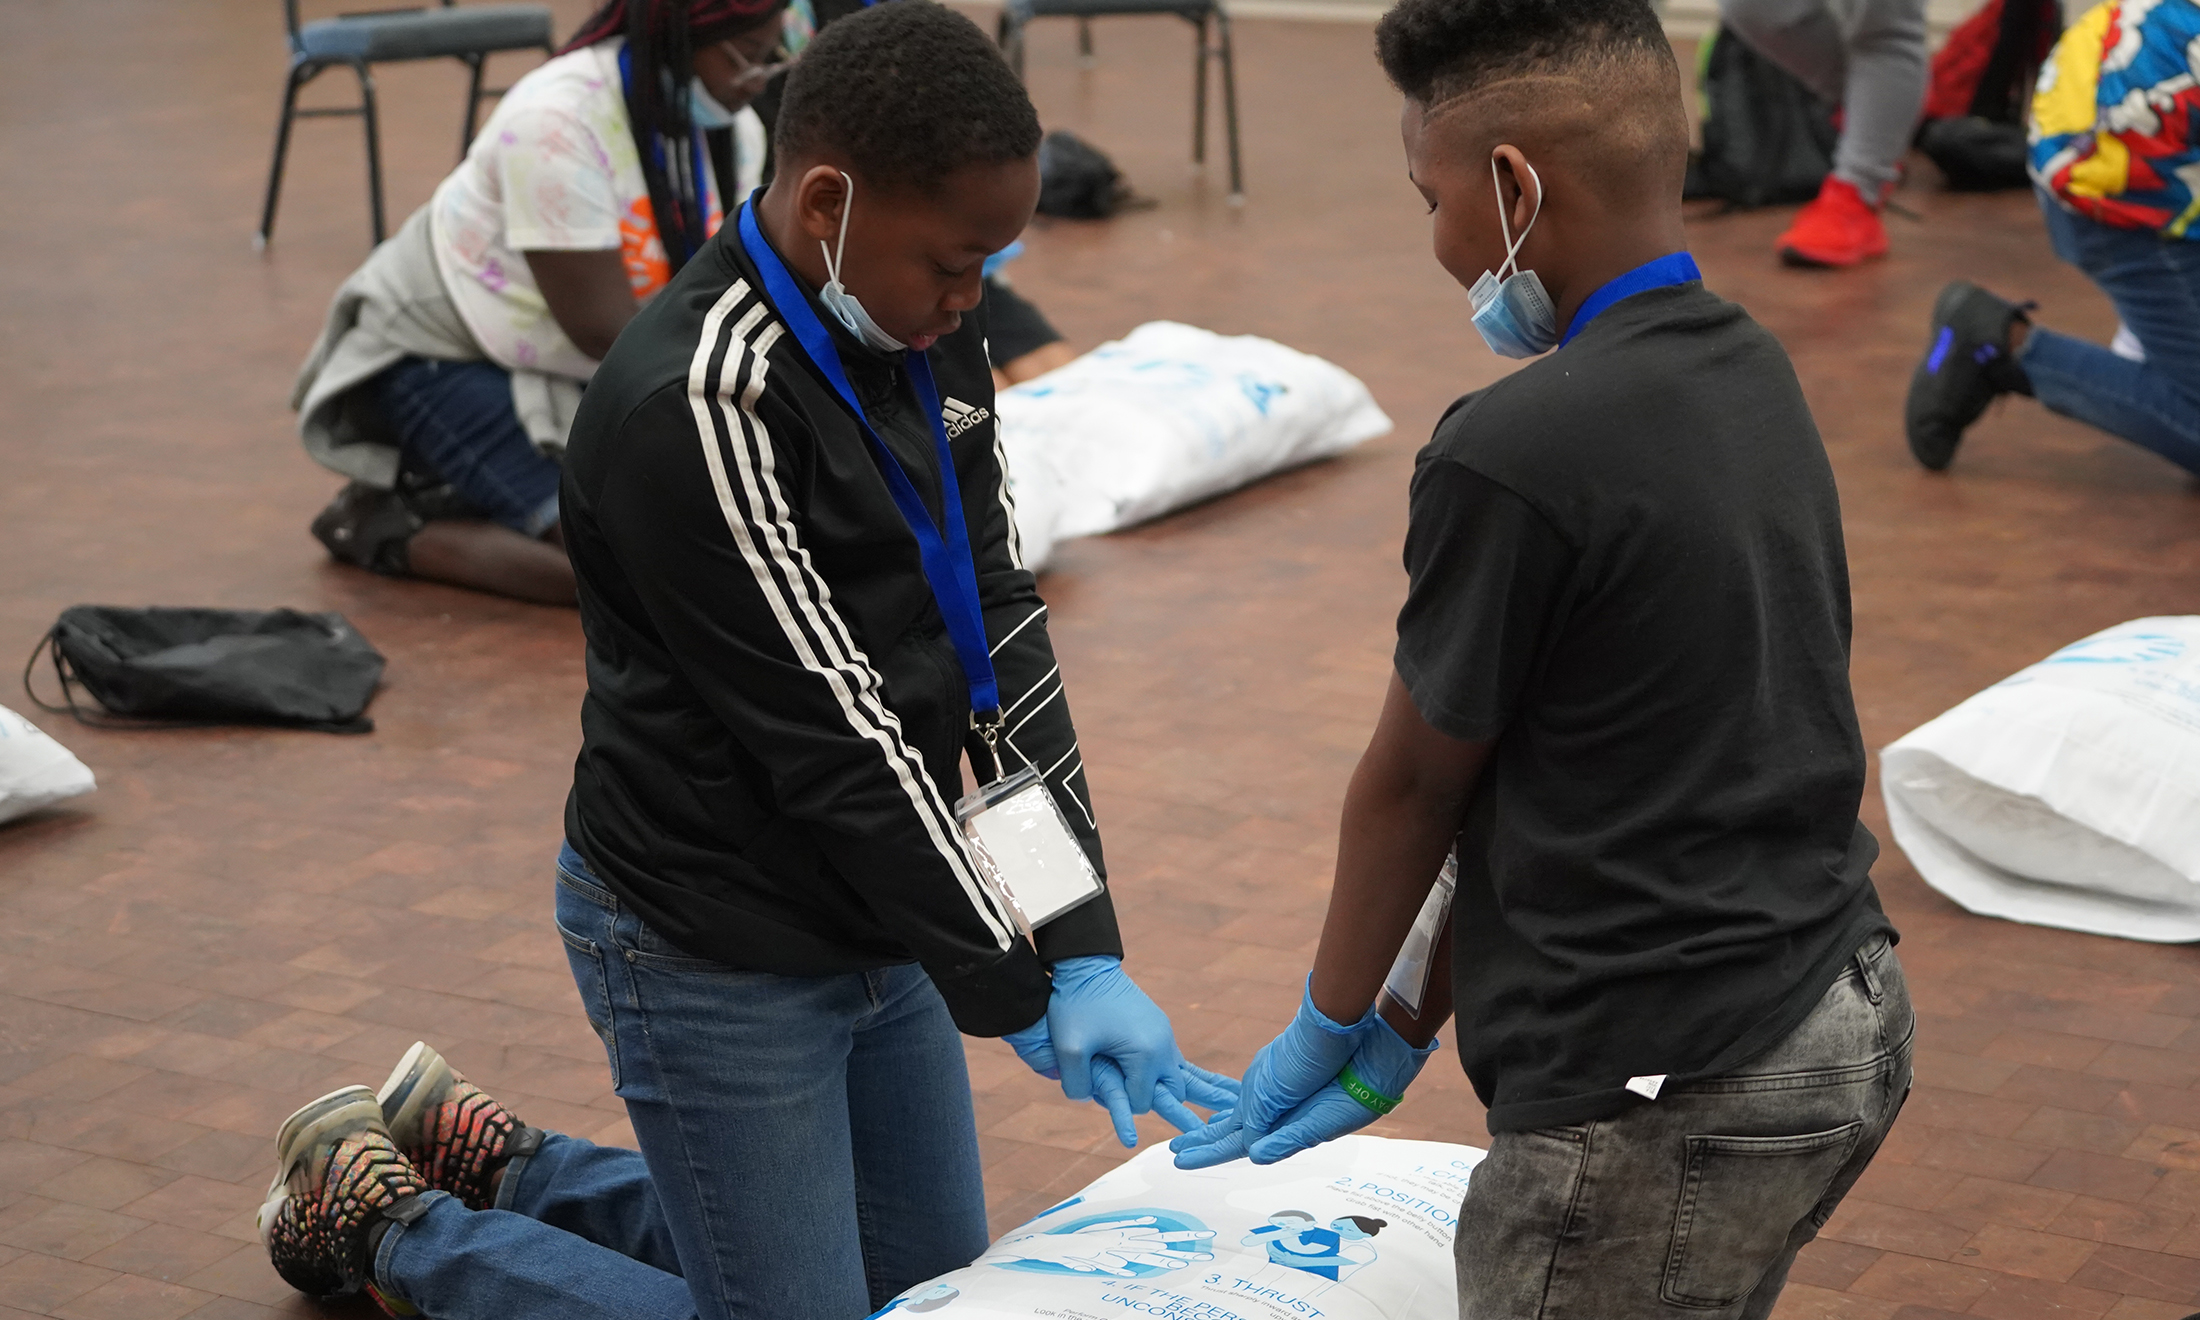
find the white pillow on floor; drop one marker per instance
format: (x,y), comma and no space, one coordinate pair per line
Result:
(1167,416)
(35,771)
(2068,794)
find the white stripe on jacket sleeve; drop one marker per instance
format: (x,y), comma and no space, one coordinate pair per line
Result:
(1008,501)
(764,530)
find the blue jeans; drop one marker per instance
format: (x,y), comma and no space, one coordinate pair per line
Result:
(456,420)
(2155,284)
(808,1150)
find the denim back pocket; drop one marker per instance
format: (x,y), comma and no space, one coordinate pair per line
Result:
(1740,1199)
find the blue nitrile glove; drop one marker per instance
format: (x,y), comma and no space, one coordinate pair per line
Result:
(1035,1047)
(1208,1090)
(1296,1064)
(1097,1011)
(1107,1042)
(1368,1087)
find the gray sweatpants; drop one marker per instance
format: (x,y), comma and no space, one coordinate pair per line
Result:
(1867,56)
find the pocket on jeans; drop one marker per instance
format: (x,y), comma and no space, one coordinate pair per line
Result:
(654,951)
(585,957)
(1740,1199)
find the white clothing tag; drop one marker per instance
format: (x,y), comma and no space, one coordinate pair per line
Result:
(1647,1086)
(1025,850)
(1408,979)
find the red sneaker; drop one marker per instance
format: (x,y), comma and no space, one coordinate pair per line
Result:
(1840,228)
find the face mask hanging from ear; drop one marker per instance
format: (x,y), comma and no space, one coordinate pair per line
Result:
(843,304)
(1512,312)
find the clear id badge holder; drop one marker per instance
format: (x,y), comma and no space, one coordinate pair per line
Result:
(1024,848)
(1408,979)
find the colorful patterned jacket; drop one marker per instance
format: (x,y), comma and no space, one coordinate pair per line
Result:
(2116,117)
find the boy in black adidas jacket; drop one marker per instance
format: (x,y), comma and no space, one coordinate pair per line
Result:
(764,857)
(771,914)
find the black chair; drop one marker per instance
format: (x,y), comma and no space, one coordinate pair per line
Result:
(1210,42)
(468,35)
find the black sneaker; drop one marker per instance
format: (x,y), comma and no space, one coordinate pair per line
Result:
(369,528)
(1967,363)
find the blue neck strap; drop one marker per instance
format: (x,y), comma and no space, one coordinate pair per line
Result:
(948,563)
(1672,268)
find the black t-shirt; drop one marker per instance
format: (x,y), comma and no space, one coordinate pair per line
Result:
(1627,569)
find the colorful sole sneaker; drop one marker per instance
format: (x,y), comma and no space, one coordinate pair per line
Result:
(337,1177)
(451,1130)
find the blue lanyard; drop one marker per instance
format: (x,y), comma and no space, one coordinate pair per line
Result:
(657,148)
(948,563)
(1672,268)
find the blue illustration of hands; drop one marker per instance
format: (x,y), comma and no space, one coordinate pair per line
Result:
(1114,1248)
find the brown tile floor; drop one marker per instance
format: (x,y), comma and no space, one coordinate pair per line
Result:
(240,920)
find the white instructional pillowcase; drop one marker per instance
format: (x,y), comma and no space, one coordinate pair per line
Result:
(2068,794)
(1357,1229)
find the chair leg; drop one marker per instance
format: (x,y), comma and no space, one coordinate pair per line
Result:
(473,102)
(301,73)
(374,147)
(1085,58)
(1199,91)
(1229,107)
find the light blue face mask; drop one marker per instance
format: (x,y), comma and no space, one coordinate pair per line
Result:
(704,111)
(841,303)
(1512,312)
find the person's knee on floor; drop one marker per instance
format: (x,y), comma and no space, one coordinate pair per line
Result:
(537,252)
(2128,228)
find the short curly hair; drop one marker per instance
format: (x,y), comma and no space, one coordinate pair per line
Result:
(910,92)
(1436,50)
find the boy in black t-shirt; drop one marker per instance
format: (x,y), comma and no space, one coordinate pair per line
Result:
(1622,695)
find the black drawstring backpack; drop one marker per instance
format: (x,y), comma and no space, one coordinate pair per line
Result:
(1981,94)
(1767,138)
(162,667)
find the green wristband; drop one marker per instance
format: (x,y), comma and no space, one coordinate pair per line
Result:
(1365,1094)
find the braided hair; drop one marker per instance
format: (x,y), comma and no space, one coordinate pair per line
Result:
(661,37)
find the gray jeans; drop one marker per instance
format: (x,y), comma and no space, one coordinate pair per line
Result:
(1867,56)
(1694,1205)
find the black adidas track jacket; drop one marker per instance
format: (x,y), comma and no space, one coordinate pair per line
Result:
(775,720)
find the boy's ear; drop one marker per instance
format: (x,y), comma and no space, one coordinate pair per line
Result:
(819,196)
(1519,188)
